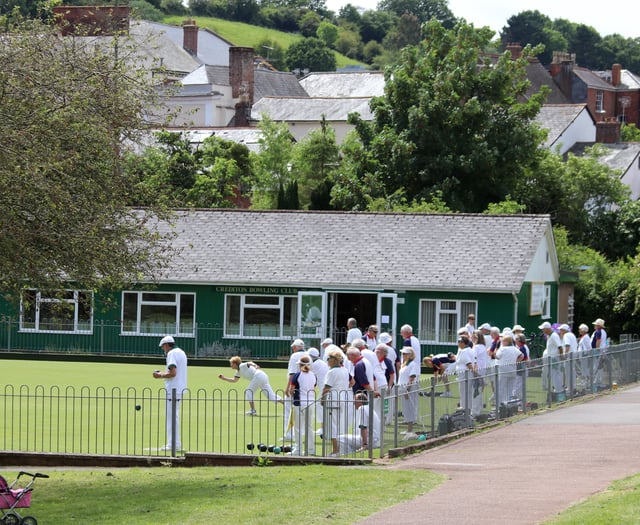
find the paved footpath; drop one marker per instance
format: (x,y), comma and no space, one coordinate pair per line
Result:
(527,471)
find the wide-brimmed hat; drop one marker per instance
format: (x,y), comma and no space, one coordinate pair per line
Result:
(598,322)
(544,325)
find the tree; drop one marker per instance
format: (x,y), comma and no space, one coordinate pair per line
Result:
(454,121)
(530,28)
(273,163)
(424,10)
(630,133)
(311,54)
(314,159)
(327,32)
(68,107)
(309,24)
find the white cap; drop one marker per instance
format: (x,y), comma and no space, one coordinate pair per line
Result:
(167,339)
(544,325)
(327,341)
(313,352)
(385,338)
(462,331)
(518,328)
(297,342)
(564,328)
(485,326)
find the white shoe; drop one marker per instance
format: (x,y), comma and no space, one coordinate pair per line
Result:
(410,436)
(168,447)
(446,394)
(251,413)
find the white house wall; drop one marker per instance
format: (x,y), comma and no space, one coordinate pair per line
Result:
(544,265)
(582,129)
(632,178)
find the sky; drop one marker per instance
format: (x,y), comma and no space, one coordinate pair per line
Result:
(622,18)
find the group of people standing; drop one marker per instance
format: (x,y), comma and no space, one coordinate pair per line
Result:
(567,357)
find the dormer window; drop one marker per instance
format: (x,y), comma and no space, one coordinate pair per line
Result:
(599,102)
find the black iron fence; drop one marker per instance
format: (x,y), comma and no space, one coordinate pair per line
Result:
(134,421)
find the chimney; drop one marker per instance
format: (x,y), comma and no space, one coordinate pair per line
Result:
(515,49)
(102,20)
(616,73)
(190,36)
(241,75)
(608,131)
(561,71)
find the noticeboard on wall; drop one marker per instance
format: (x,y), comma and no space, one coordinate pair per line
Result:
(536,305)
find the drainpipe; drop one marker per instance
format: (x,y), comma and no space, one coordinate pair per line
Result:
(515,307)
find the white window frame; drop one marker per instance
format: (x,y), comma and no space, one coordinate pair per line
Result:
(173,300)
(42,298)
(461,318)
(600,101)
(246,305)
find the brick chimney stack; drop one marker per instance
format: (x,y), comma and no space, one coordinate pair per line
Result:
(241,73)
(190,36)
(515,49)
(616,73)
(608,131)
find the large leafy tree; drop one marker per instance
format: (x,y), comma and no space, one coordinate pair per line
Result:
(424,10)
(453,120)
(67,109)
(311,54)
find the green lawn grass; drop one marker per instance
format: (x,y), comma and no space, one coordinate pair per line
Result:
(253,495)
(241,34)
(618,505)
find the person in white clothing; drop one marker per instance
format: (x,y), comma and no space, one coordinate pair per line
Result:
(359,440)
(302,391)
(584,357)
(465,365)
(507,356)
(470,327)
(320,368)
(258,382)
(175,382)
(334,398)
(406,331)
(371,337)
(482,362)
(353,330)
(570,345)
(599,344)
(552,355)
(327,346)
(297,349)
(386,339)
(408,388)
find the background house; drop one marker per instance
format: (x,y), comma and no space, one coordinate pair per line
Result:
(255,280)
(566,124)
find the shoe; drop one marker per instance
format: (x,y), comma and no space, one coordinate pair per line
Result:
(251,413)
(446,394)
(410,436)
(168,447)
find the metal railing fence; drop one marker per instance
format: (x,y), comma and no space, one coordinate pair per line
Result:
(133,421)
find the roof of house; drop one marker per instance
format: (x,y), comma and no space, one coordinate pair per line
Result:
(592,79)
(212,48)
(311,109)
(344,84)
(323,249)
(620,156)
(557,118)
(266,83)
(539,76)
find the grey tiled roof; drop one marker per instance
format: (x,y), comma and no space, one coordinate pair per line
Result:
(311,109)
(266,83)
(344,84)
(329,249)
(620,156)
(591,79)
(556,118)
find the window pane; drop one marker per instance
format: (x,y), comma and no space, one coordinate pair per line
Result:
(448,305)
(232,316)
(187,309)
(158,319)
(159,297)
(289,316)
(58,316)
(448,328)
(261,322)
(427,330)
(466,308)
(130,312)
(261,299)
(29,309)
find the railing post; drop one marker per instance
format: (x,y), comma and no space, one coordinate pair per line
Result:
(174,413)
(432,401)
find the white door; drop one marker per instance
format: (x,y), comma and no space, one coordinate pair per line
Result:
(312,317)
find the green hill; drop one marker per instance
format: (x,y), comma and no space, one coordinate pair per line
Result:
(241,34)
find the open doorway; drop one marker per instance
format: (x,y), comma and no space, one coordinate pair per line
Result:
(361,306)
